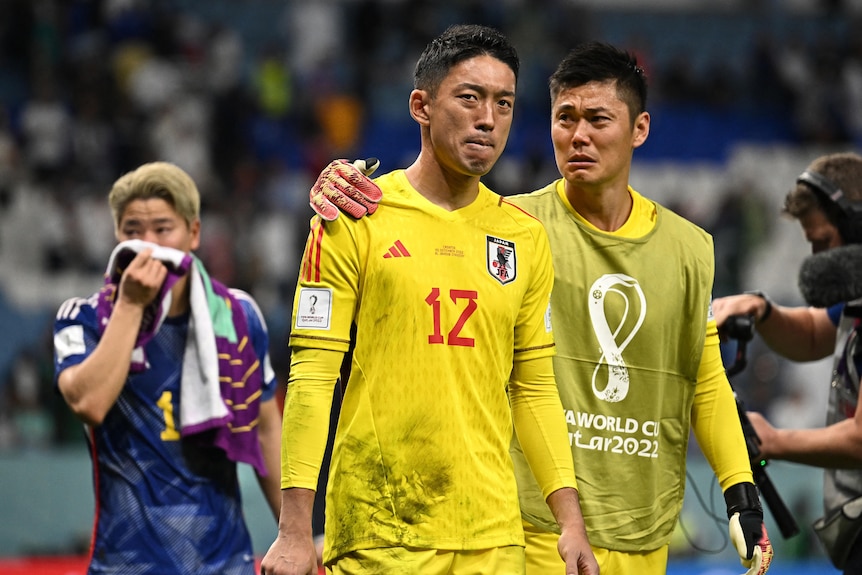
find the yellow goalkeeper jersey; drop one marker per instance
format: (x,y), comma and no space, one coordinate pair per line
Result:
(444,303)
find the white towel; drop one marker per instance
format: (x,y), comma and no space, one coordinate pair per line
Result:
(200,391)
(120,258)
(200,394)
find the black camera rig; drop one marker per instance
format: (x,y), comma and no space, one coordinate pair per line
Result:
(741,329)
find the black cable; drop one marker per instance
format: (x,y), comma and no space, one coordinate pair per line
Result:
(709,509)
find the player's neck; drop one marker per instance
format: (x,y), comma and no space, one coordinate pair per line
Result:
(445,188)
(605,208)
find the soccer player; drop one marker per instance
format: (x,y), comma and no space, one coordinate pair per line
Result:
(449,289)
(638,362)
(134,363)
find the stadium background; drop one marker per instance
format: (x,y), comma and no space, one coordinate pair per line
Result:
(254,97)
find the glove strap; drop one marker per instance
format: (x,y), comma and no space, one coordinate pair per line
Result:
(742,497)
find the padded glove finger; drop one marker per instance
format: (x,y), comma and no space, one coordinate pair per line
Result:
(345,187)
(749,537)
(368,192)
(368,166)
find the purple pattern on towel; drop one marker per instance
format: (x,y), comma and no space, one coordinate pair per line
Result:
(238,363)
(236,433)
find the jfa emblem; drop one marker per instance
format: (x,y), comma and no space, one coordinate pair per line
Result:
(502,262)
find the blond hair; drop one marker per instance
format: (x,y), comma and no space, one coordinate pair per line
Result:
(161,180)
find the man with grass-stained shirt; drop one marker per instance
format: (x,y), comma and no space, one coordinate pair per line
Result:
(448,287)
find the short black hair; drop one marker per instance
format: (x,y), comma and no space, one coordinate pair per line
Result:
(600,62)
(458,43)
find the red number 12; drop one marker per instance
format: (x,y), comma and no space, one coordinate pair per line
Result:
(452,338)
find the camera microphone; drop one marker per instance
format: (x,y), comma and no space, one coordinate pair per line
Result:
(832,276)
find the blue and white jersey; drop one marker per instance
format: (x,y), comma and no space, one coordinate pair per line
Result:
(163,505)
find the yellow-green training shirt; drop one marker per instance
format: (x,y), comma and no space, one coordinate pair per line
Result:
(637,364)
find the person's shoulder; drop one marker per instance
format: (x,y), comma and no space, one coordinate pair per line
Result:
(680,223)
(518,204)
(534,197)
(520,212)
(77,309)
(542,203)
(389,178)
(253,314)
(395,188)
(392,183)
(245,299)
(695,244)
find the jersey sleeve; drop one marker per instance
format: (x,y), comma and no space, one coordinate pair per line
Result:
(834,312)
(305,427)
(536,407)
(76,333)
(539,424)
(533,334)
(715,419)
(323,311)
(259,334)
(327,291)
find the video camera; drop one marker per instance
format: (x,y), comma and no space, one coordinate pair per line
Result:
(741,329)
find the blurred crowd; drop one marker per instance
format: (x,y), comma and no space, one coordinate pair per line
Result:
(254,97)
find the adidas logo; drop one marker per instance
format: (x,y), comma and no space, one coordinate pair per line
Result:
(397,251)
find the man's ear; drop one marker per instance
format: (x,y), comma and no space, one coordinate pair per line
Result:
(419,101)
(195,229)
(641,129)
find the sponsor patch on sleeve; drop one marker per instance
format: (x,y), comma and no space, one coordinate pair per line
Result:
(315,308)
(69,341)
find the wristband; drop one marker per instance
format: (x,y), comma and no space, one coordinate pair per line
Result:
(765,298)
(742,497)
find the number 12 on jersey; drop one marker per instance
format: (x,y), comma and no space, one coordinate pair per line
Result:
(453,337)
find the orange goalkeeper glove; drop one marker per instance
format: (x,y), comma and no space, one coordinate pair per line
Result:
(345,187)
(747,531)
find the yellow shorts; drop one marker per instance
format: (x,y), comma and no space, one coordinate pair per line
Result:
(507,560)
(543,558)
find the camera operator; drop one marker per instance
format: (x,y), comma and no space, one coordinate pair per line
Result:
(827,202)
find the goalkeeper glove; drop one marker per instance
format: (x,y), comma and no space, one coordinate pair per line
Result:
(345,187)
(747,531)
